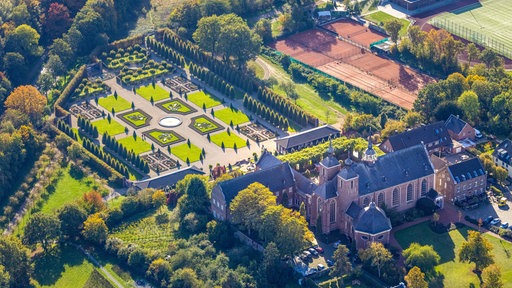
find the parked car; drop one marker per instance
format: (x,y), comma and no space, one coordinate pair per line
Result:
(495,221)
(335,245)
(319,249)
(320,267)
(329,262)
(488,220)
(504,225)
(502,202)
(478,134)
(313,251)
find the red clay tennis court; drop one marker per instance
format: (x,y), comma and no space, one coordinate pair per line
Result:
(355,32)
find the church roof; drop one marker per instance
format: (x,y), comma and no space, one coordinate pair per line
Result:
(327,190)
(426,134)
(307,136)
(390,170)
(353,210)
(267,160)
(303,184)
(275,178)
(330,161)
(372,220)
(169,179)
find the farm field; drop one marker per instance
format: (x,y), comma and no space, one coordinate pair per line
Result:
(486,23)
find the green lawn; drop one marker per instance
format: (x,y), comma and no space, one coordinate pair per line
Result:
(137,118)
(157,92)
(116,202)
(229,140)
(164,138)
(204,125)
(111,128)
(176,106)
(228,115)
(456,274)
(119,104)
(138,145)
(183,152)
(200,97)
(380,18)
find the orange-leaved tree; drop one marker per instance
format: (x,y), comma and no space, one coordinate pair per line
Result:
(28,100)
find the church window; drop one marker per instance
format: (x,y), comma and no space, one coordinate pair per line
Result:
(380,237)
(364,237)
(319,205)
(366,202)
(332,212)
(396,197)
(423,187)
(409,192)
(380,200)
(351,184)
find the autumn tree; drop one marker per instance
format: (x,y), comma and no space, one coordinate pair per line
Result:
(342,264)
(158,199)
(424,257)
(57,20)
(160,271)
(27,100)
(473,52)
(376,256)
(468,102)
(92,202)
(42,228)
(393,28)
(500,174)
(491,277)
(392,127)
(476,250)
(412,119)
(95,229)
(415,278)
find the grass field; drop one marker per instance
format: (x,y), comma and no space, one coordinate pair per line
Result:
(157,92)
(447,245)
(201,97)
(111,128)
(137,145)
(486,23)
(229,140)
(228,115)
(119,104)
(380,18)
(183,152)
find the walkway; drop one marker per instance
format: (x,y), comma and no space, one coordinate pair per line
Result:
(111,278)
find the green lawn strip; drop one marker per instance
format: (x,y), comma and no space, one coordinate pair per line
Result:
(183,152)
(203,125)
(111,128)
(69,268)
(157,92)
(227,115)
(229,140)
(175,106)
(137,145)
(447,245)
(98,280)
(380,18)
(256,68)
(200,97)
(119,104)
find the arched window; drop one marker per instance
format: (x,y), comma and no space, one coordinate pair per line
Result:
(284,199)
(396,197)
(332,212)
(366,201)
(423,187)
(409,192)
(380,200)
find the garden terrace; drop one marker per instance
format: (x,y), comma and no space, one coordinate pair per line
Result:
(111,127)
(231,116)
(152,91)
(135,144)
(201,98)
(257,132)
(150,70)
(185,151)
(180,84)
(136,119)
(204,125)
(117,59)
(176,106)
(164,138)
(117,103)
(89,88)
(229,140)
(85,110)
(159,162)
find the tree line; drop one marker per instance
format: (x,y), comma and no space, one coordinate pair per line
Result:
(265,112)
(118,148)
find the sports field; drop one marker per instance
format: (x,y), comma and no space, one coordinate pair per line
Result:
(486,23)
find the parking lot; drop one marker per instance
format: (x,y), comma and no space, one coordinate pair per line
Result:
(492,209)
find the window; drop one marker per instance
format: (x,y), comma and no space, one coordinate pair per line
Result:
(396,197)
(380,237)
(423,187)
(364,237)
(319,204)
(351,184)
(380,200)
(409,192)
(366,202)
(332,212)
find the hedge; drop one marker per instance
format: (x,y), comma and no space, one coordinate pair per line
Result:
(68,91)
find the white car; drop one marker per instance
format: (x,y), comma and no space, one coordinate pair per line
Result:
(320,267)
(495,221)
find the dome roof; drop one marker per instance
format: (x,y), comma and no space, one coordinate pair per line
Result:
(372,220)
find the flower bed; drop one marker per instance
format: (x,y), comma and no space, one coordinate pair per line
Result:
(136,119)
(176,106)
(204,125)
(164,138)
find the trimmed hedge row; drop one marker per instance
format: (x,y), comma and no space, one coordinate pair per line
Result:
(112,144)
(286,107)
(68,91)
(264,112)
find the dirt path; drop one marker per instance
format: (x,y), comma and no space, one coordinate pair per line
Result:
(112,279)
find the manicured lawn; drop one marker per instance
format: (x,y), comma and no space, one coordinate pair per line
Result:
(119,104)
(200,97)
(111,128)
(204,125)
(164,138)
(228,115)
(116,202)
(380,18)
(456,274)
(136,118)
(183,152)
(157,92)
(138,145)
(229,140)
(176,106)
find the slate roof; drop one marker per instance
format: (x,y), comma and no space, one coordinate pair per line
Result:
(372,220)
(267,160)
(503,151)
(391,169)
(426,134)
(303,184)
(274,178)
(466,170)
(330,161)
(353,210)
(327,190)
(168,179)
(455,124)
(306,137)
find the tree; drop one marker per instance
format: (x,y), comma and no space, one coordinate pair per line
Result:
(264,29)
(55,65)
(473,52)
(159,199)
(92,202)
(24,40)
(393,28)
(376,255)
(27,100)
(491,277)
(500,174)
(15,259)
(42,228)
(412,119)
(160,271)
(185,278)
(4,277)
(342,264)
(477,250)
(469,103)
(95,229)
(207,33)
(392,127)
(72,219)
(424,257)
(271,261)
(491,58)
(415,278)
(57,20)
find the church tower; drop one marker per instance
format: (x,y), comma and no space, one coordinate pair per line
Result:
(370,156)
(329,166)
